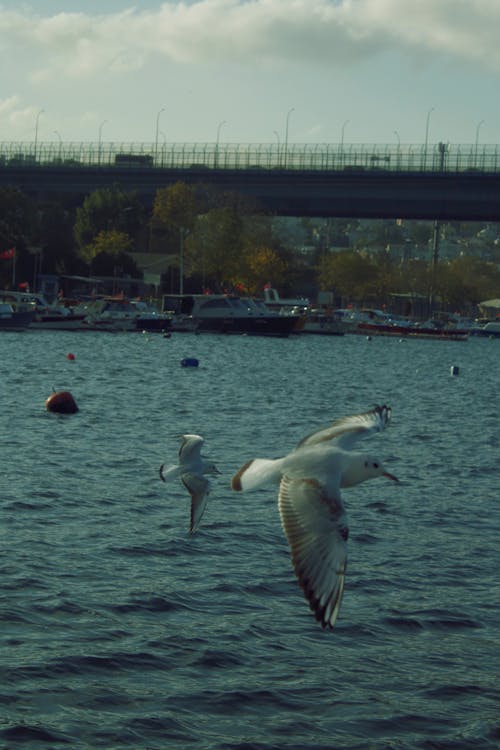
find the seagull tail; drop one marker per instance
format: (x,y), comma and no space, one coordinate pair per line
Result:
(256,473)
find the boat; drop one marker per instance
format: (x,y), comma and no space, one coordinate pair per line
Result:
(412,331)
(47,316)
(322,323)
(14,320)
(114,314)
(489,330)
(226,313)
(284,305)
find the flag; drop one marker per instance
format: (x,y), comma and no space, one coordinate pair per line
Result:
(8,253)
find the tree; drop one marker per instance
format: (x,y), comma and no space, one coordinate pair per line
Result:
(350,274)
(263,264)
(105,210)
(177,207)
(17,226)
(108,242)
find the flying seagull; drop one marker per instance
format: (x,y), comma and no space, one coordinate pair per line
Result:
(310,503)
(191,470)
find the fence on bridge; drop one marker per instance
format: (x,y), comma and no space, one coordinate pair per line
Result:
(233,156)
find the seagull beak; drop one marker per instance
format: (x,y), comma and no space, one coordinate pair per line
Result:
(390,476)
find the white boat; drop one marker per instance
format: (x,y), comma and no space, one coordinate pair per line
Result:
(284,305)
(226,313)
(322,323)
(115,314)
(45,315)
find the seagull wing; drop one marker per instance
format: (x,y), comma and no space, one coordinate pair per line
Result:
(347,430)
(198,487)
(190,449)
(257,472)
(167,473)
(316,528)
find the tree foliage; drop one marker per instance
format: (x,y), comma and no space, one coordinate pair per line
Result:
(105,210)
(110,242)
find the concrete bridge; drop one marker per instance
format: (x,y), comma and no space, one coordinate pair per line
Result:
(440,181)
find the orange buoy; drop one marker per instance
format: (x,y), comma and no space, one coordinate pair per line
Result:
(61,402)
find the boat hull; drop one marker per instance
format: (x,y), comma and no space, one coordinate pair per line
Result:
(443,334)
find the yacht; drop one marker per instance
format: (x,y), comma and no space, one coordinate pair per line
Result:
(226,313)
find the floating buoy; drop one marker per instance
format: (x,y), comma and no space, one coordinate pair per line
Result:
(368,338)
(167,335)
(454,370)
(189,362)
(70,356)
(61,402)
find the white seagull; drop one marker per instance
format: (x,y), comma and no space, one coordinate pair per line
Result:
(190,470)
(310,503)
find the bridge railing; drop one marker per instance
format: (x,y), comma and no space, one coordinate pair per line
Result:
(234,156)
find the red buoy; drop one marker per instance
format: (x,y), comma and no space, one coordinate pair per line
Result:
(61,402)
(70,356)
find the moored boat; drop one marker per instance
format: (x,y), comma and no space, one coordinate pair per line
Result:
(55,317)
(225,313)
(118,314)
(14,320)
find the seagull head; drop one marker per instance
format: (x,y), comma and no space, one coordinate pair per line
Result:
(210,468)
(362,467)
(373,467)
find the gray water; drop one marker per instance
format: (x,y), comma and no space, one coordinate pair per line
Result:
(120,630)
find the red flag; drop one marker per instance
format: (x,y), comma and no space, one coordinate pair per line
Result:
(8,253)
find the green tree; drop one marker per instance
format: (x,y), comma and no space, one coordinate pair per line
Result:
(105,210)
(18,221)
(109,242)
(351,274)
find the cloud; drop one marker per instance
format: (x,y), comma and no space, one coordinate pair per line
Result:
(252,32)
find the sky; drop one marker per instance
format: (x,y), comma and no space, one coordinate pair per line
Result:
(250,71)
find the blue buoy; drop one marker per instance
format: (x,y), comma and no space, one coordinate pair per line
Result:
(189,362)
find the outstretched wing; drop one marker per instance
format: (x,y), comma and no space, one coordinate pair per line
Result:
(190,449)
(198,487)
(347,430)
(256,473)
(316,528)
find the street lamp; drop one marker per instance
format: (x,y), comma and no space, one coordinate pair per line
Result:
(278,145)
(427,134)
(157,130)
(286,135)
(477,141)
(56,132)
(216,157)
(342,141)
(398,157)
(36,129)
(100,139)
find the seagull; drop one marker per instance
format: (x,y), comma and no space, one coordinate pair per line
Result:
(190,470)
(310,503)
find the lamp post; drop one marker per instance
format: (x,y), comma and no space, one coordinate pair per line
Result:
(56,132)
(100,139)
(41,111)
(478,128)
(342,141)
(427,134)
(287,122)
(216,155)
(157,131)
(398,154)
(278,142)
